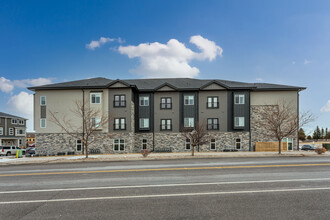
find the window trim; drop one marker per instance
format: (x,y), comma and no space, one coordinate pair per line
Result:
(91,98)
(20,120)
(212,125)
(119,101)
(165,103)
(119,139)
(41,100)
(184,99)
(41,119)
(214,142)
(238,125)
(239,99)
(185,144)
(212,103)
(81,145)
(144,128)
(143,97)
(14,121)
(166,124)
(120,124)
(238,142)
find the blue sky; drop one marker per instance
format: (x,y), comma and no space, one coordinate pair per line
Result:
(284,42)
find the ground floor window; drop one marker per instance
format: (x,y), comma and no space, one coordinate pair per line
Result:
(289,141)
(212,144)
(188,144)
(119,144)
(79,145)
(238,143)
(144,143)
(20,142)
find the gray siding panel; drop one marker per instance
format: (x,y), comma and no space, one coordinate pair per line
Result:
(146,111)
(238,110)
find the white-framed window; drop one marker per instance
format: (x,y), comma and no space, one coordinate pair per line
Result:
(20,132)
(11,131)
(79,145)
(21,122)
(239,99)
(42,100)
(166,124)
(96,122)
(1,130)
(212,102)
(14,121)
(239,121)
(189,122)
(42,123)
(187,144)
(238,143)
(144,123)
(189,100)
(144,143)
(212,144)
(20,142)
(120,124)
(144,100)
(95,98)
(119,144)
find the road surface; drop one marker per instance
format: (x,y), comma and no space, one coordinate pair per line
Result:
(222,188)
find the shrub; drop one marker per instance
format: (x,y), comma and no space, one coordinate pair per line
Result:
(145,152)
(320,150)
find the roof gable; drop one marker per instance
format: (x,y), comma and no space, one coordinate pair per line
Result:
(166,87)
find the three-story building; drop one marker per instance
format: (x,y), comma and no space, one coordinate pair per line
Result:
(12,130)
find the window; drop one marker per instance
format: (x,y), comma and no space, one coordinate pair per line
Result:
(20,132)
(95,98)
(96,122)
(79,145)
(14,121)
(239,99)
(189,122)
(118,144)
(188,144)
(42,123)
(212,144)
(165,103)
(120,124)
(239,121)
(20,142)
(144,101)
(119,101)
(238,143)
(11,131)
(212,102)
(1,130)
(212,124)
(166,124)
(21,122)
(144,123)
(144,143)
(188,100)
(42,100)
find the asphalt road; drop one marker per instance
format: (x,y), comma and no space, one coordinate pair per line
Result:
(222,188)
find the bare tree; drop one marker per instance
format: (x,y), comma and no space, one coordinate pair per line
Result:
(282,120)
(196,135)
(93,119)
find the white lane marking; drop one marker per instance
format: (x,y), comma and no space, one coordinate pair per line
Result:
(162,185)
(164,195)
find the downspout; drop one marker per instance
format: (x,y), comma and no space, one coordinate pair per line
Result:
(298,120)
(83,120)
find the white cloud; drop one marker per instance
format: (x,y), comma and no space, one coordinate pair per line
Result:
(326,108)
(259,79)
(170,59)
(98,43)
(307,61)
(6,85)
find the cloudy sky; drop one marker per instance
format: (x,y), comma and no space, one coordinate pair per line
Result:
(285,42)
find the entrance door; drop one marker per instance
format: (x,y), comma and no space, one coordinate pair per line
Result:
(289,142)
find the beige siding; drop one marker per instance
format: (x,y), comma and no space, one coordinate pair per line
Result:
(274,97)
(214,86)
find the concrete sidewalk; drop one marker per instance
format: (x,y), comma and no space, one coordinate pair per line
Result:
(152,156)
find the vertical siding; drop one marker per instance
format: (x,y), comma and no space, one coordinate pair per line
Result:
(238,110)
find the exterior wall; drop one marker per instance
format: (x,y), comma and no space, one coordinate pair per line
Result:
(188,111)
(220,113)
(6,139)
(173,113)
(238,110)
(144,112)
(273,97)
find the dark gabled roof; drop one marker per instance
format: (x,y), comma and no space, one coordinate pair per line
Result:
(154,84)
(5,115)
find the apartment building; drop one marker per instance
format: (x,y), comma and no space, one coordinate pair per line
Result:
(150,113)
(12,130)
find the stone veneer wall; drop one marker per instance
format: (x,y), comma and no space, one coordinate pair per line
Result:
(258,134)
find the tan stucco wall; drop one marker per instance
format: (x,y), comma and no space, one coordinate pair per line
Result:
(273,97)
(63,102)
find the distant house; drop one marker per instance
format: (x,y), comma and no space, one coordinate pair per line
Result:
(30,138)
(12,130)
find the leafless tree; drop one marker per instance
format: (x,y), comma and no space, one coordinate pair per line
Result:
(282,120)
(93,119)
(197,135)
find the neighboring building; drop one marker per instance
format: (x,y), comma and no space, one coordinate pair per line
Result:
(12,130)
(149,113)
(30,139)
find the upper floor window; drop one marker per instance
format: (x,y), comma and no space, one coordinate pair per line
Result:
(239,121)
(42,123)
(14,121)
(166,124)
(1,130)
(212,124)
(189,122)
(166,103)
(21,122)
(189,100)
(119,101)
(11,131)
(144,101)
(120,124)
(95,98)
(144,123)
(239,99)
(96,122)
(20,132)
(212,102)
(238,143)
(42,100)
